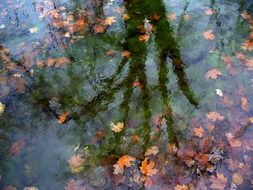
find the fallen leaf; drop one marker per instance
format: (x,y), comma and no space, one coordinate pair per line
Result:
(110,20)
(209,35)
(148,168)
(63,117)
(135,138)
(76,163)
(17,147)
(124,161)
(2,108)
(214,116)
(209,12)
(75,185)
(33,30)
(213,74)
(99,28)
(10,188)
(219,92)
(153,150)
(172,16)
(187,17)
(138,84)
(31,188)
(247,45)
(199,132)
(181,187)
(219,182)
(126,54)
(144,37)
(237,179)
(244,104)
(118,127)
(126,16)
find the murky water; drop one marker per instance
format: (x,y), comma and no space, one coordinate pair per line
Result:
(85,83)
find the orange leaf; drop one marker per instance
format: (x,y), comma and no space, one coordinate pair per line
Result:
(237,179)
(126,54)
(110,20)
(209,35)
(63,117)
(148,168)
(144,37)
(213,74)
(124,161)
(181,187)
(199,132)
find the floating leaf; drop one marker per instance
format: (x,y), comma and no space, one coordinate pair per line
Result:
(124,161)
(118,127)
(209,12)
(199,132)
(76,163)
(209,35)
(153,150)
(214,116)
(213,74)
(218,182)
(148,168)
(172,16)
(237,179)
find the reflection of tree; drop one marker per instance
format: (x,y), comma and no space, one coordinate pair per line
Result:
(167,50)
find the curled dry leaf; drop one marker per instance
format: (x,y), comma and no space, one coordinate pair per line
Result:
(153,150)
(124,161)
(199,132)
(181,187)
(118,127)
(218,182)
(214,116)
(209,35)
(148,168)
(213,74)
(237,179)
(76,163)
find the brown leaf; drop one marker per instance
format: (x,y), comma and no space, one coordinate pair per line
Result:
(214,116)
(110,20)
(63,117)
(126,54)
(148,168)
(213,74)
(153,150)
(144,37)
(209,35)
(218,182)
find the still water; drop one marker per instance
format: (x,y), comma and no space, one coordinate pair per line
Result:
(126,94)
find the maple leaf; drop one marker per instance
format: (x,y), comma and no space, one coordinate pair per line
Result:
(76,163)
(75,185)
(181,187)
(124,161)
(153,150)
(199,132)
(218,182)
(2,108)
(118,127)
(214,116)
(63,117)
(237,179)
(148,168)
(110,20)
(244,104)
(213,74)
(209,35)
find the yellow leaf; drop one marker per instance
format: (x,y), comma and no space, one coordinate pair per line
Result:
(118,127)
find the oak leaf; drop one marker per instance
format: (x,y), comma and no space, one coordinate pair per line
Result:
(209,35)
(214,116)
(213,74)
(118,127)
(148,168)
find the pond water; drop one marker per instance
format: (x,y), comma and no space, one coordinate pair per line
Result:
(134,94)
